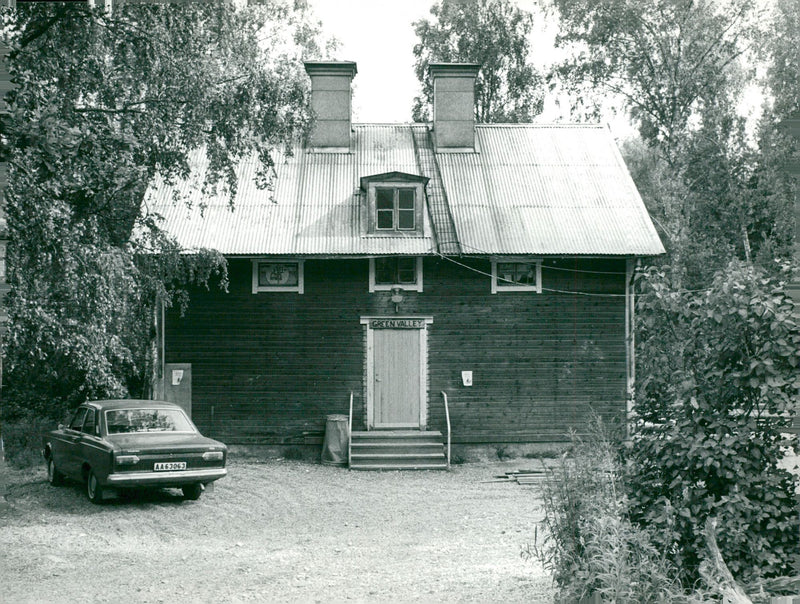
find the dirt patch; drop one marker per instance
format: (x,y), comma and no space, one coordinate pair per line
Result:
(278,531)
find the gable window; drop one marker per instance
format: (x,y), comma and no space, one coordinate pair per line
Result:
(516,275)
(395,209)
(395,271)
(278,275)
(394,204)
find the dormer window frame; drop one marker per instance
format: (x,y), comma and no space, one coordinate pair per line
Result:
(397,211)
(399,183)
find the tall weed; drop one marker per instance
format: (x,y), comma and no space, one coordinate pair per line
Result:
(22,440)
(588,543)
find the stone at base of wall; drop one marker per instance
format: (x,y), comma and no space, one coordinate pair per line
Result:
(459,453)
(505,452)
(274,452)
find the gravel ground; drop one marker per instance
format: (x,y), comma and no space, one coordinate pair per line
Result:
(277,531)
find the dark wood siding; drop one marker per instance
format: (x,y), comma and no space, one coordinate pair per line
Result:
(268,367)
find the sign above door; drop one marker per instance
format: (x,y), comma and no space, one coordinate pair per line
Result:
(397,323)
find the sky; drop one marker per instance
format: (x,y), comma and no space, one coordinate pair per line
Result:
(379,37)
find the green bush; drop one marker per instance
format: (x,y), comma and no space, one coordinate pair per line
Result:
(504,452)
(718,371)
(22,440)
(589,544)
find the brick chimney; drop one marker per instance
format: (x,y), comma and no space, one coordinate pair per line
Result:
(330,102)
(454,104)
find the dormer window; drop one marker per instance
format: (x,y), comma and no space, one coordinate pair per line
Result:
(394,204)
(395,209)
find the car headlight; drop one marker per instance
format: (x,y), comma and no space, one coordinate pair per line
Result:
(127,460)
(213,456)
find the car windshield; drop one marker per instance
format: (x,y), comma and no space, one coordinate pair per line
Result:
(121,421)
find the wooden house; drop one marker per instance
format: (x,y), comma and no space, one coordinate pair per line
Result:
(486,264)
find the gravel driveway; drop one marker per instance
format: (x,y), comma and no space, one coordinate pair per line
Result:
(278,531)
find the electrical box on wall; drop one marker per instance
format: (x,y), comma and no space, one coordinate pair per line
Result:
(466,378)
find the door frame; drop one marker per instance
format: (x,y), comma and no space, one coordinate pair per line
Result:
(396,322)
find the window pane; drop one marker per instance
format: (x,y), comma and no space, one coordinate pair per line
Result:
(146,420)
(515,273)
(278,273)
(385,219)
(406,270)
(384,199)
(88,425)
(505,274)
(385,270)
(405,220)
(77,419)
(525,274)
(406,199)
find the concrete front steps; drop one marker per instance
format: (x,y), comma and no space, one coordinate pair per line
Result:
(397,450)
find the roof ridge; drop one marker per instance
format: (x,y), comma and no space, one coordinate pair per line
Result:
(543,125)
(388,124)
(488,125)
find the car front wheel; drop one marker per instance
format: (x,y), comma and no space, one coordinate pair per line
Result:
(93,489)
(192,491)
(54,477)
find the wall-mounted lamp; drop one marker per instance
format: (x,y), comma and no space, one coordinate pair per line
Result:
(397,297)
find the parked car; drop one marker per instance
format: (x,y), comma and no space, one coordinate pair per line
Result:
(133,444)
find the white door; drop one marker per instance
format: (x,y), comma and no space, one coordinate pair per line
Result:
(396,378)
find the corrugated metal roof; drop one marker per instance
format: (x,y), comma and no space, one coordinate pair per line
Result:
(529,190)
(546,189)
(316,207)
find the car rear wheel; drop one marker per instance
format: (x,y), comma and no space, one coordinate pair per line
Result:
(93,489)
(192,491)
(54,477)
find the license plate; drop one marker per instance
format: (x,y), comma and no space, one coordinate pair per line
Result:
(170,465)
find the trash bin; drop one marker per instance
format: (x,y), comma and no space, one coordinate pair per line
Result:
(334,447)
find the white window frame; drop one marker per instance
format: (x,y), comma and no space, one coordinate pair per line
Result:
(385,287)
(517,288)
(299,288)
(395,231)
(396,210)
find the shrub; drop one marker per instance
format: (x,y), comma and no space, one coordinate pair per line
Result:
(504,452)
(589,544)
(22,440)
(719,372)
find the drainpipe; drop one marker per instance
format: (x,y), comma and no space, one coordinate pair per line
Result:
(630,343)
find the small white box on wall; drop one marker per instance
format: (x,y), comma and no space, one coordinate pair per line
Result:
(466,378)
(177,377)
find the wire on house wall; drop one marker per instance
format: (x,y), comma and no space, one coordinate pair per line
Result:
(551,267)
(563,291)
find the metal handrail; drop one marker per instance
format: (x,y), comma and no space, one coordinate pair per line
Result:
(350,430)
(447,417)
